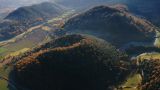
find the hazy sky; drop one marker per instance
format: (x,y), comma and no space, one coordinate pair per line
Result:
(17,3)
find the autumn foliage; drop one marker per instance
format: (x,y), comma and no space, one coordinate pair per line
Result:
(76,62)
(151,74)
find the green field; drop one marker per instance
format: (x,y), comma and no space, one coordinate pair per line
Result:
(2,50)
(149,56)
(4,72)
(3,85)
(132,82)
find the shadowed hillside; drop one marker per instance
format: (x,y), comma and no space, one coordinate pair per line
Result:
(79,45)
(75,63)
(117,26)
(146,8)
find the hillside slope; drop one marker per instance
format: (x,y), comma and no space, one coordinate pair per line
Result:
(43,10)
(114,25)
(87,63)
(150,72)
(146,8)
(23,18)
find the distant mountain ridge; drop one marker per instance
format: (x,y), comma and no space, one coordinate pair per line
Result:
(23,18)
(146,8)
(19,3)
(116,26)
(82,4)
(44,10)
(4,12)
